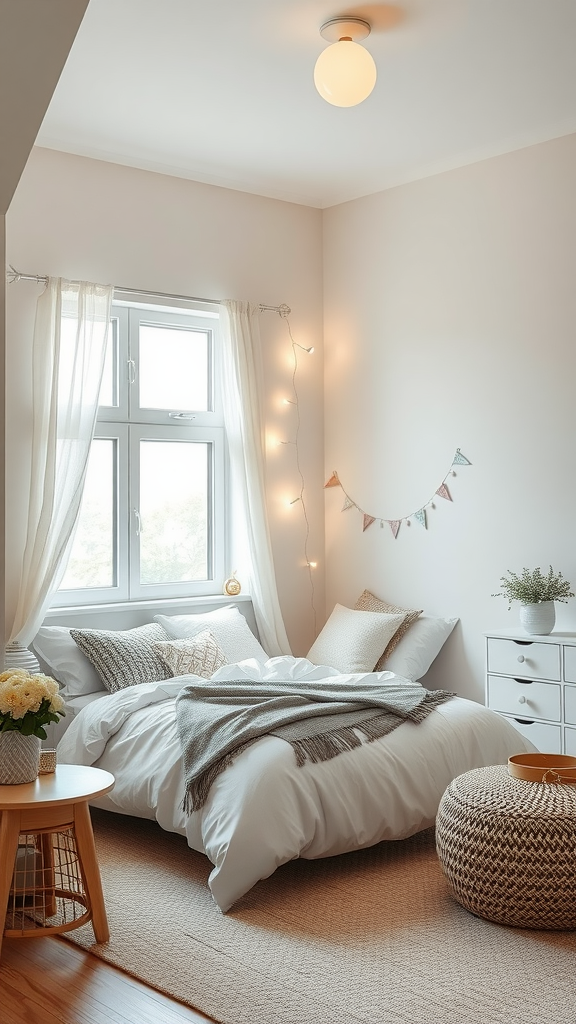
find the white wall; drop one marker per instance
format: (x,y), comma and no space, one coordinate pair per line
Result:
(450,322)
(86,219)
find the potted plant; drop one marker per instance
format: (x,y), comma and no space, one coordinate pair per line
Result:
(28,702)
(536,594)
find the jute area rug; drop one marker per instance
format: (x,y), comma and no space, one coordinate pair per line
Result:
(372,936)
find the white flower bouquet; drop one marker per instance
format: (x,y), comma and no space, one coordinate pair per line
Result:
(28,702)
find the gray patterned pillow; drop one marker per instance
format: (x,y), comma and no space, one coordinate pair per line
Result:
(124,657)
(201,656)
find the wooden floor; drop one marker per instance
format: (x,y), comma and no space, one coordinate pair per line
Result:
(50,981)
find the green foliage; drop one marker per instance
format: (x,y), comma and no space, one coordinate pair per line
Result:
(531,587)
(32,723)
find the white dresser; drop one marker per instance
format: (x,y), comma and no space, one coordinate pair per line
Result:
(532,682)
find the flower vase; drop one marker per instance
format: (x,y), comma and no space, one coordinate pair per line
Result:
(538,619)
(19,758)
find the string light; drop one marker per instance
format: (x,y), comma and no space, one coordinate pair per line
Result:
(283,312)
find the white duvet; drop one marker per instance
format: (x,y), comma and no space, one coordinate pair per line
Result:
(264,810)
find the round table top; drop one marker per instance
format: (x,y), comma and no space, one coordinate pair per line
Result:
(69,784)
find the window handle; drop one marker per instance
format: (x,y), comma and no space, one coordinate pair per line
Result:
(139,527)
(182,415)
(131,371)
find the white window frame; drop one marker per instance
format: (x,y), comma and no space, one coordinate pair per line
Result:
(127,424)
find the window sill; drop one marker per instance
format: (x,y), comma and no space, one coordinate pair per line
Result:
(128,614)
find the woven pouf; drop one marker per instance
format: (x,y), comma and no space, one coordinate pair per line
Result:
(508,848)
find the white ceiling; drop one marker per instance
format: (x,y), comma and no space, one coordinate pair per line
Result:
(221,91)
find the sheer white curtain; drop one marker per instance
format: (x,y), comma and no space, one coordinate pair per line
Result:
(69,348)
(242,391)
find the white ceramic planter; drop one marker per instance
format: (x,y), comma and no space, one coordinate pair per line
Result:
(538,619)
(19,758)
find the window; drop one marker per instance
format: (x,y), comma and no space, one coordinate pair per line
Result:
(152,520)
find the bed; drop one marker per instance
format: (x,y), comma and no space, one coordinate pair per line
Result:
(263,810)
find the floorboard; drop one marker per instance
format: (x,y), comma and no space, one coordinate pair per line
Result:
(49,981)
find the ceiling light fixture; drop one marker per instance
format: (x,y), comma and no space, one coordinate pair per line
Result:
(345,72)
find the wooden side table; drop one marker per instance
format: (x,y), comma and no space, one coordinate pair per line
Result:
(46,834)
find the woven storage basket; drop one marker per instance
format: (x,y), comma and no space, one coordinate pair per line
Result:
(508,848)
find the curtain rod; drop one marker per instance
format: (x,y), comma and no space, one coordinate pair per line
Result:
(15,275)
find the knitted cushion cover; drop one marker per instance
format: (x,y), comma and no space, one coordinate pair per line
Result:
(124,657)
(201,656)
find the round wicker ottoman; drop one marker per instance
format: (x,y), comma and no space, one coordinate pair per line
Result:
(508,848)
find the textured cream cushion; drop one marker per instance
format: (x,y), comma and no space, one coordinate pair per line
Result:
(200,656)
(124,657)
(227,625)
(352,641)
(420,646)
(368,602)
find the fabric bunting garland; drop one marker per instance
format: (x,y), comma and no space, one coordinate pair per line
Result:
(419,514)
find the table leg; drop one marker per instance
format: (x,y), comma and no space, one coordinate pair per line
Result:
(48,879)
(9,832)
(90,870)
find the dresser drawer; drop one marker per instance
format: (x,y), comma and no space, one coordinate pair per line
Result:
(546,738)
(569,742)
(525,699)
(570,664)
(570,704)
(532,660)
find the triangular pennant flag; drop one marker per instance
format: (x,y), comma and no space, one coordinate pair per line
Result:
(460,460)
(368,520)
(420,516)
(333,481)
(394,525)
(444,492)
(348,503)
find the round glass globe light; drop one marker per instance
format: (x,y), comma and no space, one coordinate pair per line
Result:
(345,73)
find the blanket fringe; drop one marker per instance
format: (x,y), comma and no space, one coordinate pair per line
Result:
(198,789)
(432,700)
(327,746)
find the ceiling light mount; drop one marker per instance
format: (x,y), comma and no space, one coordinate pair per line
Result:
(345,73)
(345,28)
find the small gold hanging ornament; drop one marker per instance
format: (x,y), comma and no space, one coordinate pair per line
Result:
(232,585)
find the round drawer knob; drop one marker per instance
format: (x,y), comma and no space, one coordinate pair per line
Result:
(521,658)
(522,699)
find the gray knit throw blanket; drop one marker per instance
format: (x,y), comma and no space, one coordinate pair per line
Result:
(216,721)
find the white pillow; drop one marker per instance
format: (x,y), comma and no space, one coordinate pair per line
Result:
(352,641)
(419,646)
(227,625)
(61,658)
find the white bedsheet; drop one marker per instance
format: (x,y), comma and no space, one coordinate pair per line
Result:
(263,810)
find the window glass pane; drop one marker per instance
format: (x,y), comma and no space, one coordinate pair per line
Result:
(109,386)
(173,372)
(174,508)
(72,375)
(93,559)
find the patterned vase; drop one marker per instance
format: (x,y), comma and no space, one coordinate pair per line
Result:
(19,758)
(538,619)
(17,656)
